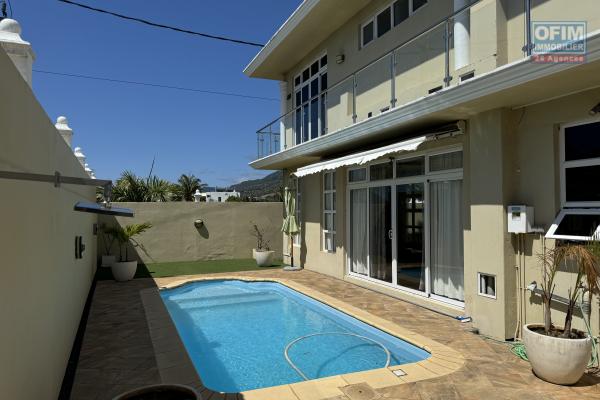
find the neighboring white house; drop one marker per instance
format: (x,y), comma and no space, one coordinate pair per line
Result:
(219,196)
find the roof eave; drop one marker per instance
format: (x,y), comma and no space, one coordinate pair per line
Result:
(282,33)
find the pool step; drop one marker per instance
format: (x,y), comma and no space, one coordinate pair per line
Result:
(227,300)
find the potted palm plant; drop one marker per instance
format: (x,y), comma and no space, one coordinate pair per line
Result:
(262,253)
(124,269)
(561,354)
(107,241)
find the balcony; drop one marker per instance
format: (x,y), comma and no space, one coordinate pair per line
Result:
(480,42)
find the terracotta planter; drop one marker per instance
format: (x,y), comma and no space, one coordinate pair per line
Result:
(264,258)
(107,261)
(556,360)
(160,392)
(124,271)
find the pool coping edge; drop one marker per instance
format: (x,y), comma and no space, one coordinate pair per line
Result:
(443,360)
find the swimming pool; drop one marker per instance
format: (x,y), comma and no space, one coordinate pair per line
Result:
(236,333)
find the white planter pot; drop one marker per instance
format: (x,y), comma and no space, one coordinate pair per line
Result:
(556,360)
(264,258)
(124,271)
(107,261)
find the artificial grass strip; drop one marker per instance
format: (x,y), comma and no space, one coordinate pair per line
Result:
(168,269)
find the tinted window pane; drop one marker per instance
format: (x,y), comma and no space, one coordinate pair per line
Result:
(367,33)
(314,69)
(323,61)
(298,126)
(323,114)
(297,81)
(578,225)
(305,75)
(305,94)
(582,183)
(582,142)
(418,4)
(314,118)
(298,98)
(384,22)
(413,167)
(382,171)
(357,175)
(305,119)
(442,162)
(323,82)
(314,88)
(400,11)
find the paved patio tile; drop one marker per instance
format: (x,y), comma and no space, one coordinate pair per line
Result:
(118,353)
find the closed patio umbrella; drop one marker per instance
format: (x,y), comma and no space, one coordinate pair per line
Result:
(290,226)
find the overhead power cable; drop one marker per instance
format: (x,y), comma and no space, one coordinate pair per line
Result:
(156,85)
(157,25)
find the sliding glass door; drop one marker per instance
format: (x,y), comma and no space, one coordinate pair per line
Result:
(446,232)
(358,232)
(380,233)
(406,224)
(410,228)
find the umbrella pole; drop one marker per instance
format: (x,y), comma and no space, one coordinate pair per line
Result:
(292,250)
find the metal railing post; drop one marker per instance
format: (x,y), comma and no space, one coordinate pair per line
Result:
(354,116)
(393,78)
(258,144)
(447,36)
(528,45)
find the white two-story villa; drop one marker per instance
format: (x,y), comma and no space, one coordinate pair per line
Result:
(409,130)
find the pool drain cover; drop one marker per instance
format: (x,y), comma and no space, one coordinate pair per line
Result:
(360,391)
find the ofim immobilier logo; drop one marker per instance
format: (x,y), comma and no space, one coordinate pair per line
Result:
(559,41)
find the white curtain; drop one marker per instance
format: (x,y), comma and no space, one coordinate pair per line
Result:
(447,270)
(358,230)
(380,220)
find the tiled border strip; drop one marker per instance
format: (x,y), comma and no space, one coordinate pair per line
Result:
(443,361)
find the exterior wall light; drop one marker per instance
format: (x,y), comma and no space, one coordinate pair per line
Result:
(340,58)
(198,223)
(595,110)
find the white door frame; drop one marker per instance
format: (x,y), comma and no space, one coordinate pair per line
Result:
(426,179)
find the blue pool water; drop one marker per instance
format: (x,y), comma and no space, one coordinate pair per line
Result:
(235,333)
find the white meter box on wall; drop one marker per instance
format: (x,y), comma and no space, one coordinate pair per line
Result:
(520,219)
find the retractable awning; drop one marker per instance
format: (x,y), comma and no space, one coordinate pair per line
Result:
(362,157)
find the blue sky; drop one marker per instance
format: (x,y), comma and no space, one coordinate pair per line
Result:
(123,127)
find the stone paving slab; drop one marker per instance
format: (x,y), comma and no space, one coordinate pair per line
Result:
(118,351)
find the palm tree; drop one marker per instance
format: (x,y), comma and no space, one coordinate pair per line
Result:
(130,188)
(186,186)
(157,189)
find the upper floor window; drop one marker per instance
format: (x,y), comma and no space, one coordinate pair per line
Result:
(310,100)
(385,19)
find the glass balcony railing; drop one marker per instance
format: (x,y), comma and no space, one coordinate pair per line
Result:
(477,38)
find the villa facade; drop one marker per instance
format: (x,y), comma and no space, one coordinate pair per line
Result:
(410,129)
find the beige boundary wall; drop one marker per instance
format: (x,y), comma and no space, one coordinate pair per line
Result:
(225,234)
(511,157)
(43,287)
